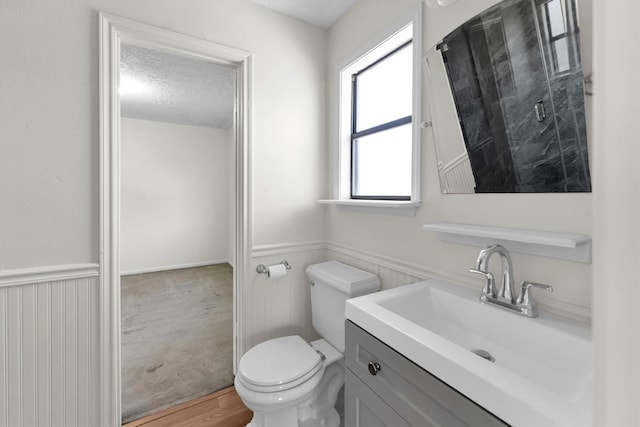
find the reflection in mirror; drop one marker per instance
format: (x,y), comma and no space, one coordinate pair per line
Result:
(506,93)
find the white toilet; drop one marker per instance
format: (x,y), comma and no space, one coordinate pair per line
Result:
(288,382)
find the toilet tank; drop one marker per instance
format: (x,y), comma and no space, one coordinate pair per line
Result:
(332,283)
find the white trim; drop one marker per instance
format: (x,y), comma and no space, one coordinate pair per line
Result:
(383,207)
(109,293)
(287,248)
(113,31)
(174,267)
(340,171)
(457,161)
(56,273)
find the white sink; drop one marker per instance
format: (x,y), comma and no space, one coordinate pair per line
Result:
(542,372)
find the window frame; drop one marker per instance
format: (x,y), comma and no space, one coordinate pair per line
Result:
(569,16)
(381,127)
(390,40)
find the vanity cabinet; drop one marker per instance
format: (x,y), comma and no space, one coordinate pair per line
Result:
(383,388)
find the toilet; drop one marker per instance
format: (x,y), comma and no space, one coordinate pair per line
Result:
(288,382)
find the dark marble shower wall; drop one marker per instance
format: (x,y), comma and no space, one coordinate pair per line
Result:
(567,94)
(499,65)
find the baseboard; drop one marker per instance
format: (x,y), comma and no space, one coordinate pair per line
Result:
(173,267)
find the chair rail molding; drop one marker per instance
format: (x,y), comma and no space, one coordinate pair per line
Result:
(287,248)
(56,273)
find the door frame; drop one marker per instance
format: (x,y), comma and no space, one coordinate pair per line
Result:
(113,31)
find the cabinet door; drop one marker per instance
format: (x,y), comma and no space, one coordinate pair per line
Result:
(417,396)
(363,408)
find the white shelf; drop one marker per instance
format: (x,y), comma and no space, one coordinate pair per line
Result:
(565,246)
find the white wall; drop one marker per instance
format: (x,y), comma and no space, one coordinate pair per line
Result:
(49,164)
(610,214)
(49,159)
(616,277)
(402,238)
(176,182)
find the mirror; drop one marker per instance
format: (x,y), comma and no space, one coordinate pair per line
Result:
(506,93)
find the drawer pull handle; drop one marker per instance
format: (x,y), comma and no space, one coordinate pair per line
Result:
(374,368)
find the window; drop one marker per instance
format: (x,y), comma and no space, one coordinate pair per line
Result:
(381,127)
(379,130)
(558,31)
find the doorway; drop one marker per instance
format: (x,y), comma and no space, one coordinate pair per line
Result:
(115,33)
(176,279)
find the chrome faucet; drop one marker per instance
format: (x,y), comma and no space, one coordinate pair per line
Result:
(504,297)
(505,293)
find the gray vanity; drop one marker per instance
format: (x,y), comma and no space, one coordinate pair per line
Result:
(383,388)
(433,354)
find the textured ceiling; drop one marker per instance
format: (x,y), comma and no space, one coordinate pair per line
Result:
(321,13)
(169,88)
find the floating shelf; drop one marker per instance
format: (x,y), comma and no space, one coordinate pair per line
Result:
(565,246)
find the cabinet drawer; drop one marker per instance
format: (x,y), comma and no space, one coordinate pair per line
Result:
(417,396)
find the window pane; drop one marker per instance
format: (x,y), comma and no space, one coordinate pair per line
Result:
(384,90)
(382,164)
(556,18)
(561,51)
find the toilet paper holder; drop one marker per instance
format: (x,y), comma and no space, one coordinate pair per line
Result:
(263,269)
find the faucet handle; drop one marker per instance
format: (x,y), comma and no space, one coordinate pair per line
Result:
(489,286)
(524,300)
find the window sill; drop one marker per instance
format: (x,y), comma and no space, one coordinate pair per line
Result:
(383,207)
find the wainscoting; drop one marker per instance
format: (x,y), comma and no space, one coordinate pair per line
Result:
(281,307)
(49,373)
(278,307)
(457,175)
(49,325)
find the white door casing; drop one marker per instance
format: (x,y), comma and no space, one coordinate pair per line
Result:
(113,31)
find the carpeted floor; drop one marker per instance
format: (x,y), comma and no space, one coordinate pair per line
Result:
(176,337)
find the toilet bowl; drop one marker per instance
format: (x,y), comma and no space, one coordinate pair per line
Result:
(303,379)
(288,382)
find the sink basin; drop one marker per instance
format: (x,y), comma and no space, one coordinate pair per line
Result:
(540,372)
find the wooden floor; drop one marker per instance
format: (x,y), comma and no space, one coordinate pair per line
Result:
(220,409)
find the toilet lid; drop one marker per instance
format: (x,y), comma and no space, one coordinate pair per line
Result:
(279,362)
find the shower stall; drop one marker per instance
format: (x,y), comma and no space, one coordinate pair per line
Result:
(517,83)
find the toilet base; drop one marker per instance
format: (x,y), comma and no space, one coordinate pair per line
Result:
(284,418)
(329,419)
(289,418)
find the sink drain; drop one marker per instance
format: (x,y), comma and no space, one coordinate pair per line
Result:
(484,354)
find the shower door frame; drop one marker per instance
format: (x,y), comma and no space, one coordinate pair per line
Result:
(113,31)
